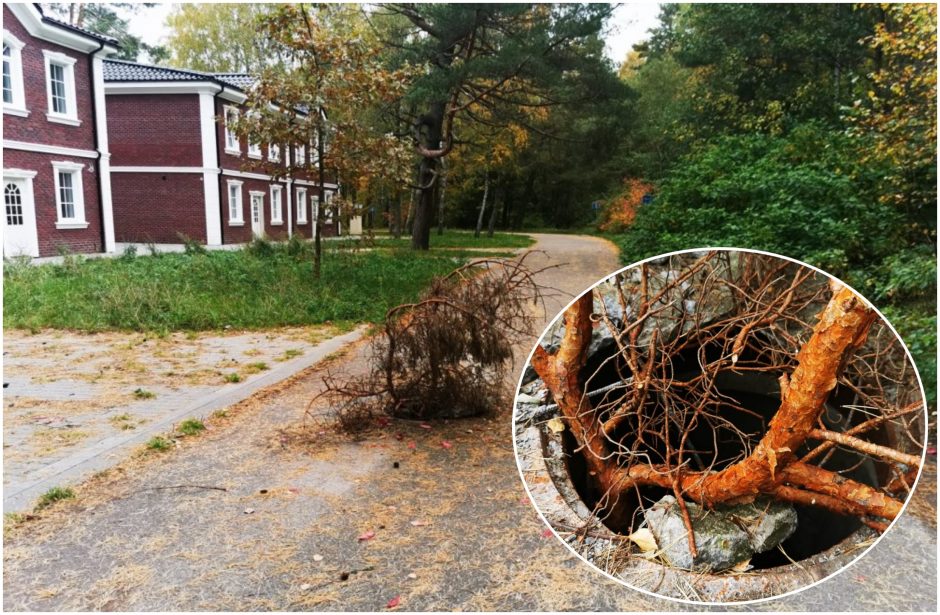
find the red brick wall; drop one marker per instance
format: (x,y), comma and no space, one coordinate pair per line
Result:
(244,164)
(154,130)
(51,239)
(155,207)
(36,128)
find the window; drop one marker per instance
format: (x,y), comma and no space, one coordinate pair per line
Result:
(276,213)
(60,88)
(69,197)
(254,149)
(232,145)
(301,205)
(274,152)
(315,205)
(235,203)
(300,156)
(13,199)
(13,98)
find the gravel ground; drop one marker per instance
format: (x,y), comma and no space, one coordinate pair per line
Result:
(267,511)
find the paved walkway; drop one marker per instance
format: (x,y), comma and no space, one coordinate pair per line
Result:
(267,511)
(75,404)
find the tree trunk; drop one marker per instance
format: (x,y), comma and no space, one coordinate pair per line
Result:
(432,124)
(486,192)
(321,198)
(492,225)
(440,201)
(396,216)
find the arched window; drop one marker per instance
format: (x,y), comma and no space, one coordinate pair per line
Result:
(13,204)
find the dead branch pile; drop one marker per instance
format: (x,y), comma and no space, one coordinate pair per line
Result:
(686,326)
(447,354)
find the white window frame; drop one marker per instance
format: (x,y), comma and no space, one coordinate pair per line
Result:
(77,221)
(235,206)
(272,156)
(230,136)
(300,155)
(254,149)
(315,206)
(277,199)
(18,105)
(67,63)
(301,206)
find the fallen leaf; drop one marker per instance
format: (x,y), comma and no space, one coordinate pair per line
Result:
(412,575)
(420,523)
(367,536)
(931,450)
(393,602)
(425,426)
(318,558)
(248,511)
(412,445)
(742,566)
(446,444)
(556,425)
(293,489)
(525,398)
(546,533)
(399,436)
(644,539)
(305,587)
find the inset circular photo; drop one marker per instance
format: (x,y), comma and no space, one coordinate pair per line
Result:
(720,426)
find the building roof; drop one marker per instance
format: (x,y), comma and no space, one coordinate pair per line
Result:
(122,70)
(83,31)
(242,81)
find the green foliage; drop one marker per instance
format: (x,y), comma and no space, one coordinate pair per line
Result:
(144,394)
(159,443)
(55,494)
(233,377)
(797,195)
(190,427)
(215,290)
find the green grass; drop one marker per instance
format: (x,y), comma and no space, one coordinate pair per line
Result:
(233,377)
(52,496)
(238,289)
(254,368)
(159,443)
(190,427)
(144,394)
(461,239)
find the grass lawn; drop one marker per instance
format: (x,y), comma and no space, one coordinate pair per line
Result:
(460,239)
(244,289)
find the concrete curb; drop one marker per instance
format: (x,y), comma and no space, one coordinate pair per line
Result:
(19,497)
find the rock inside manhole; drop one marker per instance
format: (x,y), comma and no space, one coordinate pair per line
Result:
(724,537)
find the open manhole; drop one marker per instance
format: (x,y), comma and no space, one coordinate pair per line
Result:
(720,426)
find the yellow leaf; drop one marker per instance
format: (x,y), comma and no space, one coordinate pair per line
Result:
(644,539)
(556,425)
(742,566)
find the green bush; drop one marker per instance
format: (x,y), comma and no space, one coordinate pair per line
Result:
(809,195)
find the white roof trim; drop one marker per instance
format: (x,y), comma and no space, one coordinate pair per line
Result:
(31,18)
(160,87)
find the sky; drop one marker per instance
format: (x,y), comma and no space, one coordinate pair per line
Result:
(628,25)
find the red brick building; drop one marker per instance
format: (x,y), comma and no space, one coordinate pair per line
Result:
(56,178)
(178,169)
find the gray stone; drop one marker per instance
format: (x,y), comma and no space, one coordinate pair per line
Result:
(724,537)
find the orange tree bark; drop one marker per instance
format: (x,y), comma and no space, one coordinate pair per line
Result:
(843,326)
